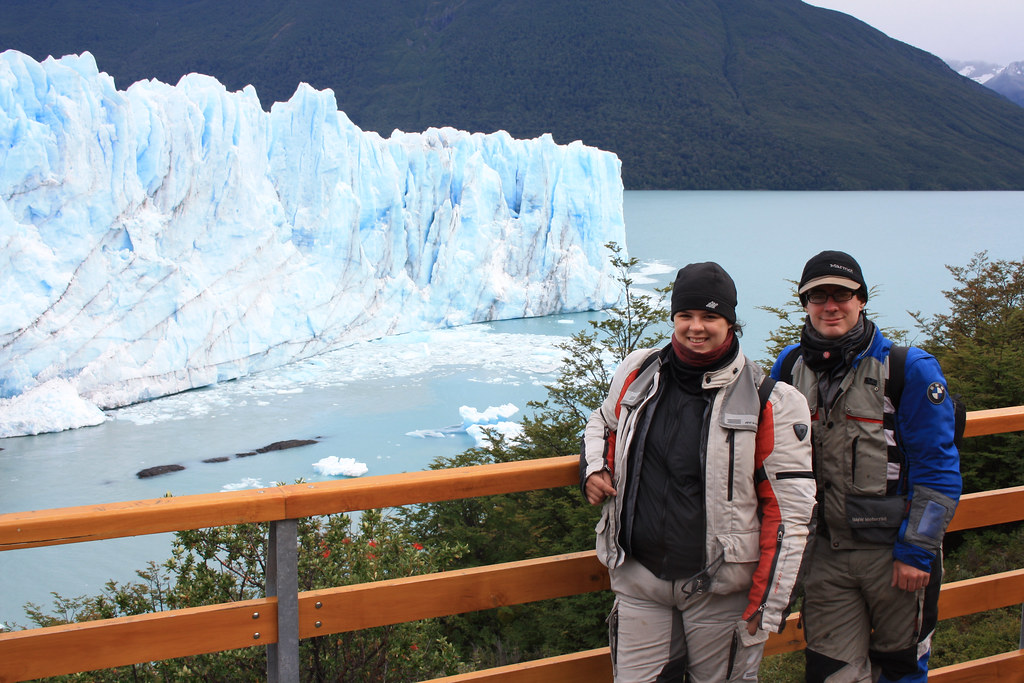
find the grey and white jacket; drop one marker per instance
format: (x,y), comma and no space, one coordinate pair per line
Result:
(759,487)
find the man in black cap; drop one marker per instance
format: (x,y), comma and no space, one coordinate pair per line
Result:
(888,481)
(707,503)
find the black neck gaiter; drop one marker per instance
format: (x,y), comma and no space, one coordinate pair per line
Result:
(825,355)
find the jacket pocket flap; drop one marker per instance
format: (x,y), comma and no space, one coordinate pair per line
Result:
(740,546)
(875,511)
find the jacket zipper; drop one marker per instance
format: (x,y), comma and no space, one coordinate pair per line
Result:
(731,438)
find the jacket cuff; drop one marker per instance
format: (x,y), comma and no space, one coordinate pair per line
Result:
(930,513)
(919,558)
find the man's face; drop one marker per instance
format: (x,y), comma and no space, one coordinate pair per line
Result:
(832,319)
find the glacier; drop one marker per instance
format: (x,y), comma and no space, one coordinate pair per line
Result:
(164,238)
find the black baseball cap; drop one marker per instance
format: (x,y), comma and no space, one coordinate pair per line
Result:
(833,268)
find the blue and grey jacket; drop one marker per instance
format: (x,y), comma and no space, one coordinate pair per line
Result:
(885,478)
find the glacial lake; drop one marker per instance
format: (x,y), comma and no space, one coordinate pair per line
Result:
(394,403)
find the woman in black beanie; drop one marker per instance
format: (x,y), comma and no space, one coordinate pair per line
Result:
(707,496)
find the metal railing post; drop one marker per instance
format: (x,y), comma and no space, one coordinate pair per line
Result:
(1021,642)
(283,583)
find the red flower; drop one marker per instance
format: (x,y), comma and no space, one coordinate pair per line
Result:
(326,553)
(417,546)
(373,544)
(346,540)
(414,646)
(371,556)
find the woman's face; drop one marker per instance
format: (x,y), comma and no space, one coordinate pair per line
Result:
(833,319)
(700,331)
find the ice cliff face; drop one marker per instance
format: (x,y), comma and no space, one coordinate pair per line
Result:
(165,237)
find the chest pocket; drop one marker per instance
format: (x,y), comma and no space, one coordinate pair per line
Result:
(862,413)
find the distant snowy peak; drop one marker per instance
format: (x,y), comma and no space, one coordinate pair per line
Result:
(1008,80)
(976,70)
(1009,83)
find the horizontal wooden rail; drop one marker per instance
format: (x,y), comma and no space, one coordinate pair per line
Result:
(122,641)
(351,608)
(956,599)
(987,508)
(116,520)
(91,645)
(1007,668)
(994,421)
(128,640)
(134,518)
(579,667)
(596,665)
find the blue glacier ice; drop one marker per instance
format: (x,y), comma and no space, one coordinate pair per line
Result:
(162,238)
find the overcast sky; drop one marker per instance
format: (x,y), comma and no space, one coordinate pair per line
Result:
(989,30)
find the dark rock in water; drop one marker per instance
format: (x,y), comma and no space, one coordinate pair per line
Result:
(160,469)
(220,459)
(282,445)
(278,446)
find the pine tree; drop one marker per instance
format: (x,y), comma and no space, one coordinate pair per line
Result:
(978,344)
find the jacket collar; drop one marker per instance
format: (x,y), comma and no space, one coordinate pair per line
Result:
(716,379)
(878,348)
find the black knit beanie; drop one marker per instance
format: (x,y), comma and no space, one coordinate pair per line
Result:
(706,287)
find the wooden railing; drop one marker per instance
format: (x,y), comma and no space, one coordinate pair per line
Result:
(280,620)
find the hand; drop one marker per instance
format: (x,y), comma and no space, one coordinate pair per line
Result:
(599,487)
(908,578)
(752,624)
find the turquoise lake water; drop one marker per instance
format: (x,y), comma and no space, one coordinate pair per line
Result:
(372,402)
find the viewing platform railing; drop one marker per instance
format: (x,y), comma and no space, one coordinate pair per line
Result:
(279,621)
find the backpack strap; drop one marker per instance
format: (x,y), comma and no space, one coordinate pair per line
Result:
(897,370)
(894,390)
(764,392)
(786,369)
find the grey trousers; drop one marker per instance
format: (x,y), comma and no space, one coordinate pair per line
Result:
(659,632)
(857,625)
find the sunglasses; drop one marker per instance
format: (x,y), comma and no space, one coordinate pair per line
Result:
(817,296)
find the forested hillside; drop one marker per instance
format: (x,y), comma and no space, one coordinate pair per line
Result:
(706,94)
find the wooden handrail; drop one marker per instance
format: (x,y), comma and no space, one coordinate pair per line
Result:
(994,421)
(56,650)
(61,649)
(90,645)
(360,606)
(987,508)
(595,665)
(117,642)
(115,520)
(134,518)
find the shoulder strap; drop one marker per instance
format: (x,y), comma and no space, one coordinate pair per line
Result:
(786,369)
(764,391)
(897,369)
(894,390)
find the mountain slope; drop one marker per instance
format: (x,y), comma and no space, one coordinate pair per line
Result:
(702,94)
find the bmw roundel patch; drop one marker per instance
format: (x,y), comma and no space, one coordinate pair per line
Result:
(936,393)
